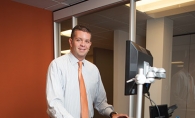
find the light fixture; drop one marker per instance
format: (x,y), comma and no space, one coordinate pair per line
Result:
(65,51)
(156,5)
(66,33)
(177,62)
(143,2)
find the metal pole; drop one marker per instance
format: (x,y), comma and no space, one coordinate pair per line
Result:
(132,34)
(132,37)
(139,101)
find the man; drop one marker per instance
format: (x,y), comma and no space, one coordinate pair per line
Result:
(63,85)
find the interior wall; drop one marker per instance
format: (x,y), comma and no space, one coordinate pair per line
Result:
(159,42)
(121,102)
(103,59)
(26,48)
(89,58)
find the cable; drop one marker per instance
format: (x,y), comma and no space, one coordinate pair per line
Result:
(148,93)
(154,104)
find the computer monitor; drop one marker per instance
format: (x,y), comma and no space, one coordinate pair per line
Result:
(136,55)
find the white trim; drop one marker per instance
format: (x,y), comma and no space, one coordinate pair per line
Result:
(57,40)
(74,21)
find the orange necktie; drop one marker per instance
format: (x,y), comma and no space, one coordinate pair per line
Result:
(83,95)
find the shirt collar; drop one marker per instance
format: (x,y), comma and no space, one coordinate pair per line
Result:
(74,60)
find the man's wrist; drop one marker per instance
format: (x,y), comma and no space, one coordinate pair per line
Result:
(112,113)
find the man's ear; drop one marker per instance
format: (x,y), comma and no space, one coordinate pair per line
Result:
(70,42)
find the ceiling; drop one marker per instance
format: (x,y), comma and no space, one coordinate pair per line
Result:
(51,5)
(103,23)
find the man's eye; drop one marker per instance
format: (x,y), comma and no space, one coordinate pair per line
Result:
(87,41)
(78,40)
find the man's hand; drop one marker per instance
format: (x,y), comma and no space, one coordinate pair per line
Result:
(119,116)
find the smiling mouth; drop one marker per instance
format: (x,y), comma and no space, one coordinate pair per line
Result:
(82,49)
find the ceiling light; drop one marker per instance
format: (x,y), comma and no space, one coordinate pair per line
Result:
(65,51)
(152,5)
(66,33)
(143,2)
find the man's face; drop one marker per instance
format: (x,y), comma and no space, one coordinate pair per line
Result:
(80,45)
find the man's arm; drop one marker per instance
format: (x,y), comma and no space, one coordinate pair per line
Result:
(100,102)
(55,93)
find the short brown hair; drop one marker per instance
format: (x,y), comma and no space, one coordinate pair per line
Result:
(81,28)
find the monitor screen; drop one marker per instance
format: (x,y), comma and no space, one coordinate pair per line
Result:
(136,56)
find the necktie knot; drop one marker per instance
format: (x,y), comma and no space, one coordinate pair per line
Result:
(80,65)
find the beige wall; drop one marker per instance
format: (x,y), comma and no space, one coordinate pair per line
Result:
(121,102)
(159,42)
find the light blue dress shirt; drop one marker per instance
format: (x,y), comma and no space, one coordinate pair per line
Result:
(62,89)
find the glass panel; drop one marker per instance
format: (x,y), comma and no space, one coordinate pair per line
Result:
(182,81)
(191,104)
(102,26)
